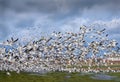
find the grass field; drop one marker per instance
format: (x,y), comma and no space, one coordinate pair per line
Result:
(53,77)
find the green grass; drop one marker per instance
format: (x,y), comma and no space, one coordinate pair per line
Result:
(51,77)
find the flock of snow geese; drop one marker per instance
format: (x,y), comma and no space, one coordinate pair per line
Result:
(68,51)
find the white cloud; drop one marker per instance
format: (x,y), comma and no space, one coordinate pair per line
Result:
(90,13)
(44,23)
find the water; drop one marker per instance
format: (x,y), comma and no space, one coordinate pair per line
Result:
(40,73)
(68,76)
(103,77)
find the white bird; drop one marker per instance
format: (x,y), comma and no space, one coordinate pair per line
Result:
(8,73)
(58,52)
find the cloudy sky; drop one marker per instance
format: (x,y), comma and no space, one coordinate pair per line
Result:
(28,18)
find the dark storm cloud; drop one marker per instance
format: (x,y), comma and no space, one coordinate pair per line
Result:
(55,6)
(62,9)
(19,14)
(3,31)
